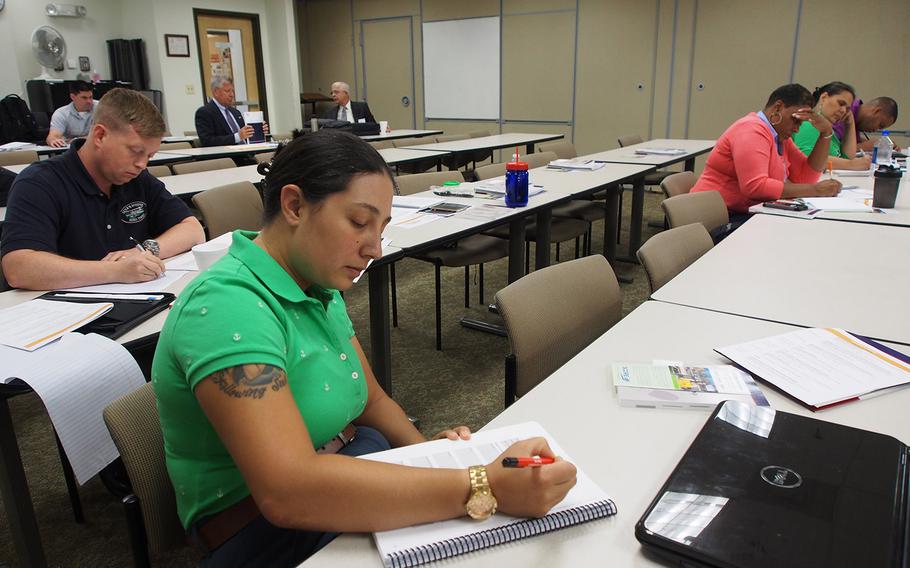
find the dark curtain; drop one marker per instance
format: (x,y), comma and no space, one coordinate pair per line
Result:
(128,62)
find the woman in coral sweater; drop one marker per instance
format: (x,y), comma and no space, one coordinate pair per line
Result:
(755,160)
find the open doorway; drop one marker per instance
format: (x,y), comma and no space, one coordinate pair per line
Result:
(230,46)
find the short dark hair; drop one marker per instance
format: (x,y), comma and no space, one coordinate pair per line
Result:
(832,88)
(887,104)
(321,163)
(77,87)
(791,95)
(121,108)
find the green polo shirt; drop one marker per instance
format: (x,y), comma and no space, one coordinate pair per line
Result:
(246,309)
(808,134)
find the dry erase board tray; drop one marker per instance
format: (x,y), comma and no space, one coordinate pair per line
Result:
(129,309)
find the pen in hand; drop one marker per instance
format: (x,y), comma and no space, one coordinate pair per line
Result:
(138,244)
(526,462)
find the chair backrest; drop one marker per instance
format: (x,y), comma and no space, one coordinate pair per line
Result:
(380,144)
(265,157)
(490,171)
(452,137)
(478,133)
(539,159)
(669,252)
(412,141)
(190,133)
(229,207)
(136,430)
(165,146)
(705,207)
(629,140)
(553,313)
(562,148)
(282,136)
(159,171)
(18,157)
(203,166)
(415,183)
(678,183)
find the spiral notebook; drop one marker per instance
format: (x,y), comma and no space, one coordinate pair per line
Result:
(413,546)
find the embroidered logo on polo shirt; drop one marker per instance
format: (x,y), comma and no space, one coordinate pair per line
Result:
(134,212)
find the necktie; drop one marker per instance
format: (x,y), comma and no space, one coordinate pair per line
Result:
(230,120)
(344,113)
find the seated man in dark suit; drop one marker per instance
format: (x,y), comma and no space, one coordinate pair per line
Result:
(346,109)
(218,123)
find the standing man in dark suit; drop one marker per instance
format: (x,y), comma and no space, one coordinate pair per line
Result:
(346,109)
(218,123)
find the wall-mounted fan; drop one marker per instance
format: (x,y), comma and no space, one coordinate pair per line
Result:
(49,49)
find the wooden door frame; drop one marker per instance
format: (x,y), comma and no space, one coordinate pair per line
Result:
(363,61)
(257,47)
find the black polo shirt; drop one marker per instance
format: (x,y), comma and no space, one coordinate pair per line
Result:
(55,206)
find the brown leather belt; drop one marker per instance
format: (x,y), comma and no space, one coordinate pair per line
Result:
(217,529)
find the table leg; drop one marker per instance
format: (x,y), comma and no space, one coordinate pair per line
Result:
(638,211)
(516,249)
(529,149)
(542,252)
(611,223)
(16,497)
(380,340)
(690,165)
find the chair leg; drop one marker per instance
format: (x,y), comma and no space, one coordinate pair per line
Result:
(467,286)
(576,247)
(619,219)
(438,307)
(528,258)
(557,252)
(71,487)
(136,528)
(480,284)
(394,295)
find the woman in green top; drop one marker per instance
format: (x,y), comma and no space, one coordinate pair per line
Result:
(260,382)
(833,102)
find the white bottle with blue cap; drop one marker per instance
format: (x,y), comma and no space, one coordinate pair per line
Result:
(881,153)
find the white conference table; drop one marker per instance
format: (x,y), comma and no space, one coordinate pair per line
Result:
(396,156)
(226,151)
(493,142)
(811,273)
(401,133)
(188,184)
(628,452)
(899,215)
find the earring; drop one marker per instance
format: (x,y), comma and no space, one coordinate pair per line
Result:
(779,118)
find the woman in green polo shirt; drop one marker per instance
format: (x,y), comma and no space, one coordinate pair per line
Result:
(261,381)
(833,102)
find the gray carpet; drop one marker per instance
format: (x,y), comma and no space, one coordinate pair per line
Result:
(463,384)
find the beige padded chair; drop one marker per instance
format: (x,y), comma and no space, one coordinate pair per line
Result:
(151,510)
(381,144)
(18,157)
(419,166)
(229,207)
(562,148)
(563,227)
(678,183)
(203,166)
(705,207)
(264,158)
(412,141)
(190,133)
(474,249)
(165,146)
(552,314)
(669,252)
(159,171)
(282,136)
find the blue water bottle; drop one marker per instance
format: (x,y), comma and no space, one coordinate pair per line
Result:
(516,184)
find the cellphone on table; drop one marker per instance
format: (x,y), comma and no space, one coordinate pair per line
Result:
(786,205)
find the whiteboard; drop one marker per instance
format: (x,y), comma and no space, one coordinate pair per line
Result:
(461,68)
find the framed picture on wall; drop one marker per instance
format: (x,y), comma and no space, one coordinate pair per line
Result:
(177,45)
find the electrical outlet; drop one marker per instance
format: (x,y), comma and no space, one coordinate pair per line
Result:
(191,89)
(70,63)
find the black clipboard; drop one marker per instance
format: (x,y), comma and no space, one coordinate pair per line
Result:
(125,315)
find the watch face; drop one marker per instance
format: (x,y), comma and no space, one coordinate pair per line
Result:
(481,506)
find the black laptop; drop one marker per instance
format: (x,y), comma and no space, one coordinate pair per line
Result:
(760,488)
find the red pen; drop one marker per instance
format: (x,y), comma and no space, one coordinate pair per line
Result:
(526,462)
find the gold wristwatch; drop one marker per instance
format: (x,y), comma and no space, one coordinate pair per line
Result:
(481,504)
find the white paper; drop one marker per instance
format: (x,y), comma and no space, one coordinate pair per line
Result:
(160,284)
(482,448)
(414,202)
(409,219)
(497,187)
(563,164)
(660,151)
(819,366)
(76,378)
(13,146)
(844,203)
(32,325)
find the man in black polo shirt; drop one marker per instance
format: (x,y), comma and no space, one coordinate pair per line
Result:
(95,215)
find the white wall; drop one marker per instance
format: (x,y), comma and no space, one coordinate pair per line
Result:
(150,20)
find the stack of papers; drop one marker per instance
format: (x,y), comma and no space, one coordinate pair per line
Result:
(675,385)
(822,367)
(32,325)
(660,151)
(587,165)
(847,203)
(497,187)
(855,173)
(13,146)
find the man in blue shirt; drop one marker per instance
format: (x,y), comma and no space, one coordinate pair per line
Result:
(94,214)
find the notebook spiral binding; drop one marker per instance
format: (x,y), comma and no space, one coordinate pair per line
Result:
(500,535)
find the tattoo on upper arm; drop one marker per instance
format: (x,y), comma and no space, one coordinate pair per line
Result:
(249,381)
